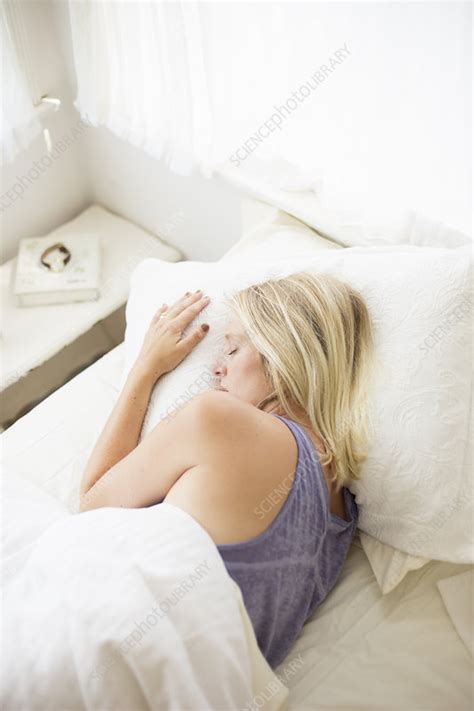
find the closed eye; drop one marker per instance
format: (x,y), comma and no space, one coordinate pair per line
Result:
(232,351)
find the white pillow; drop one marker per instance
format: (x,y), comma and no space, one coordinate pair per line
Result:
(416,491)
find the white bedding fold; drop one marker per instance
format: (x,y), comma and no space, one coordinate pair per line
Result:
(457,593)
(121,609)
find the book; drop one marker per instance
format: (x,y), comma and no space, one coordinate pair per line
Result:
(79,280)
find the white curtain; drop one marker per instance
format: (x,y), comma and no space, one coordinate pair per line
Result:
(20,124)
(180,80)
(371,99)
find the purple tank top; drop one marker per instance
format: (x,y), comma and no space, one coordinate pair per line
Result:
(288,570)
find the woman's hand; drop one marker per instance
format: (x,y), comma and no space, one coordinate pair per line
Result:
(163,346)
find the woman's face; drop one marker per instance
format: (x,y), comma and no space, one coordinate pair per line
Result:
(239,368)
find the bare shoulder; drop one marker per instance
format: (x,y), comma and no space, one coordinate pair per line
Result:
(216,409)
(244,454)
(236,429)
(217,403)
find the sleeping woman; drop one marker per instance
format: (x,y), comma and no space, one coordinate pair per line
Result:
(263,463)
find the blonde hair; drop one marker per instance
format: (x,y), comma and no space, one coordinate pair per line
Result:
(315,339)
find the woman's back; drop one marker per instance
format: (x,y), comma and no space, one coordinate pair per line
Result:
(286,572)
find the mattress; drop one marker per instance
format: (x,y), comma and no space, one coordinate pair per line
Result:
(360,650)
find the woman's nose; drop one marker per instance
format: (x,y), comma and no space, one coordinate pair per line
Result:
(219,368)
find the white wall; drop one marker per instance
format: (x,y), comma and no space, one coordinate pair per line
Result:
(51,195)
(201,217)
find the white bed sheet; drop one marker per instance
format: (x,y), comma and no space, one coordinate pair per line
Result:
(360,650)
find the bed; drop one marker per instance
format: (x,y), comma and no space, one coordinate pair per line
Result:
(409,649)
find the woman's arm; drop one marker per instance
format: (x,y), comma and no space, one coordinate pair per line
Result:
(164,347)
(122,429)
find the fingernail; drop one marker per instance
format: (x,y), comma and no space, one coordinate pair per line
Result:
(197,291)
(187,293)
(205,327)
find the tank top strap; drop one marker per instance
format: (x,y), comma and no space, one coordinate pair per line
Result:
(309,463)
(306,450)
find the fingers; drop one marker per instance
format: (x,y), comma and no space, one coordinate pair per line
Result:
(183,311)
(191,341)
(160,311)
(190,311)
(187,300)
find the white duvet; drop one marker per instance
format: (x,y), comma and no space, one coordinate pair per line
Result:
(121,609)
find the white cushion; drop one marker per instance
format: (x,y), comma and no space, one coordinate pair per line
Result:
(416,490)
(457,592)
(276,230)
(282,185)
